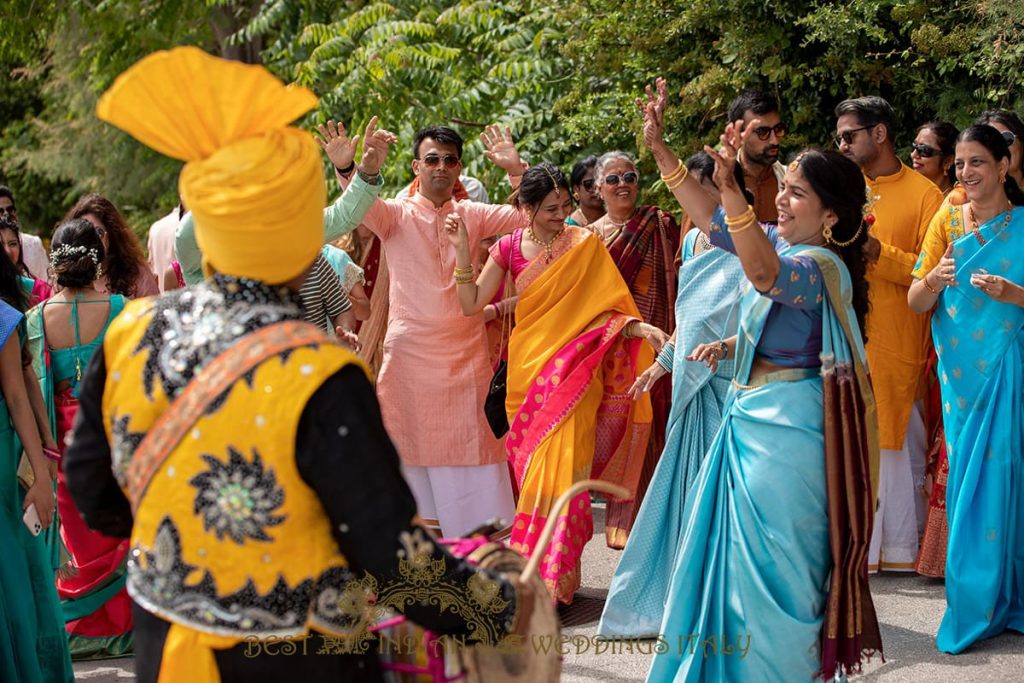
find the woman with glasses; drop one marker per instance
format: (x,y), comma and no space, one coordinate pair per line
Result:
(1012,129)
(573,355)
(776,526)
(590,205)
(643,241)
(931,153)
(125,270)
(969,271)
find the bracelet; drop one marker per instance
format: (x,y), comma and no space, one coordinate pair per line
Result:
(347,170)
(679,170)
(464,270)
(682,179)
(464,279)
(626,330)
(376,179)
(927,285)
(666,357)
(742,219)
(52,454)
(724,348)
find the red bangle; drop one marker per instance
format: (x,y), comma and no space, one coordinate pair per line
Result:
(52,454)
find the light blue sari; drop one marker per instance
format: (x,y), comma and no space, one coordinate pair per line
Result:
(980,345)
(747,599)
(706,310)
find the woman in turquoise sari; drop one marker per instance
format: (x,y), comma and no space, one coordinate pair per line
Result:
(770,582)
(33,647)
(706,307)
(971,265)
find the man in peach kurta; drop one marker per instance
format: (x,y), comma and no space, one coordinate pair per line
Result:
(435,372)
(903,203)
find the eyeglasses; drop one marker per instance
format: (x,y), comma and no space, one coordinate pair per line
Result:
(449,160)
(925,151)
(8,209)
(588,184)
(847,136)
(1010,137)
(764,132)
(629,178)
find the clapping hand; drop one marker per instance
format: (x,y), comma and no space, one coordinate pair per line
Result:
(334,141)
(376,143)
(500,149)
(455,230)
(653,108)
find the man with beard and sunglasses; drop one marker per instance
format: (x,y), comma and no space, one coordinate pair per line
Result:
(759,156)
(435,372)
(903,203)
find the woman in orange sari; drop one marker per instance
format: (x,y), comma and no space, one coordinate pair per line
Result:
(573,355)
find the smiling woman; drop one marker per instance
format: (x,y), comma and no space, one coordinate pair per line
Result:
(643,242)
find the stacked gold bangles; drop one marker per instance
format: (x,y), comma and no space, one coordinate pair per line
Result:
(677,177)
(464,276)
(736,224)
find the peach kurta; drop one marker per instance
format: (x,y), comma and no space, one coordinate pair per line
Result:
(898,338)
(435,372)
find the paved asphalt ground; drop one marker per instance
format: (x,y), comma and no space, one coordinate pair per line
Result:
(909,609)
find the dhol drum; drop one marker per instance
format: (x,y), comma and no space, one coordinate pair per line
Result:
(533,658)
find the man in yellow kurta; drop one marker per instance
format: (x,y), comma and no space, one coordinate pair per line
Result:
(903,203)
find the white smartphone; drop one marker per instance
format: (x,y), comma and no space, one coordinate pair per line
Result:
(31,520)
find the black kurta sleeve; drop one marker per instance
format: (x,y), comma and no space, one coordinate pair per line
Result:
(87,462)
(344,454)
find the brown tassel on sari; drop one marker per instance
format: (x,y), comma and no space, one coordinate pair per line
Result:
(850,629)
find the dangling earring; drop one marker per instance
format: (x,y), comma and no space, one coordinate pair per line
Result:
(826,231)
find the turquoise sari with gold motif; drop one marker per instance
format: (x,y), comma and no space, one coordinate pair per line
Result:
(980,345)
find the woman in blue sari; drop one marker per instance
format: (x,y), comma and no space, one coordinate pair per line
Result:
(971,266)
(770,581)
(706,307)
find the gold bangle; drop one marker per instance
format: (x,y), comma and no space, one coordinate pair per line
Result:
(927,285)
(680,169)
(463,280)
(733,231)
(742,219)
(674,185)
(463,271)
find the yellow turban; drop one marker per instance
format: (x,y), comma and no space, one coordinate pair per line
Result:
(253,183)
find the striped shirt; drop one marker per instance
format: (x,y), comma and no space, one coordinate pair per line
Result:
(323,299)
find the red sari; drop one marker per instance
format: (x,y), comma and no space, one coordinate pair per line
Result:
(644,251)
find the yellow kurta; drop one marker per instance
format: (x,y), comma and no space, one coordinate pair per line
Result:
(898,338)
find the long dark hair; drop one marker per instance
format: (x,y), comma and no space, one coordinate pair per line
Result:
(125,259)
(945,134)
(992,140)
(11,289)
(75,253)
(840,186)
(537,183)
(9,222)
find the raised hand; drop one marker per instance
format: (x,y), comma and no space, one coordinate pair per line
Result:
(500,149)
(455,231)
(376,143)
(646,380)
(732,140)
(653,108)
(334,141)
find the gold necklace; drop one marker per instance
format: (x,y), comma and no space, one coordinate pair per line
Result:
(974,223)
(545,245)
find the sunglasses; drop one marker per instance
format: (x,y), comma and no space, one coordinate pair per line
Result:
(925,151)
(629,178)
(764,132)
(8,209)
(588,184)
(848,136)
(449,160)
(1010,137)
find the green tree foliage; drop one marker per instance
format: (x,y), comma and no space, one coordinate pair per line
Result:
(930,59)
(417,63)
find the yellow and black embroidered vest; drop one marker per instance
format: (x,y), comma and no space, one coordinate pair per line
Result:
(227,539)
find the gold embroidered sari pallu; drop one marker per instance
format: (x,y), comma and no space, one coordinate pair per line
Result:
(569,412)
